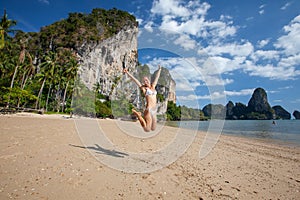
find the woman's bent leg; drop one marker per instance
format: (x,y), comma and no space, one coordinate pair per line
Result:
(146,121)
(140,118)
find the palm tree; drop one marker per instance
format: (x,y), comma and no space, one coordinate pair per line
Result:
(5,25)
(29,70)
(67,70)
(42,77)
(20,61)
(70,75)
(48,71)
(7,62)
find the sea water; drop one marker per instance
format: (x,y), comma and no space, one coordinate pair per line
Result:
(284,131)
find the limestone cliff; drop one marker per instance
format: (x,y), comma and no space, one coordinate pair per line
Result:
(258,108)
(281,113)
(102,63)
(259,104)
(214,111)
(166,88)
(296,114)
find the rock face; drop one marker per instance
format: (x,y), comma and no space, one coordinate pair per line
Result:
(229,110)
(102,63)
(281,113)
(217,111)
(240,111)
(259,104)
(296,114)
(237,111)
(166,87)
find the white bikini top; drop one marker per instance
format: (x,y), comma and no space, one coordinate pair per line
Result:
(150,92)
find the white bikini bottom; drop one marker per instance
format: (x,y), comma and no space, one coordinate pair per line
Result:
(152,111)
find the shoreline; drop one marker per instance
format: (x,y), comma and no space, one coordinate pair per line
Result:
(167,123)
(276,141)
(44,158)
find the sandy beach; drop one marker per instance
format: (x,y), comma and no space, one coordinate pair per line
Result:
(43,157)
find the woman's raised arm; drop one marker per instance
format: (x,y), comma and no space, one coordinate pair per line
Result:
(154,83)
(132,78)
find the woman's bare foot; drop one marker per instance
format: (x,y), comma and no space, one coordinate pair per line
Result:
(140,118)
(138,114)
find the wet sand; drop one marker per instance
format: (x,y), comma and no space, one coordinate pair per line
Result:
(43,157)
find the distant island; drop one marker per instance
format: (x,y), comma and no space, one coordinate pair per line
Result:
(258,108)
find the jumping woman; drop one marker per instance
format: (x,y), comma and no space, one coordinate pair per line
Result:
(148,122)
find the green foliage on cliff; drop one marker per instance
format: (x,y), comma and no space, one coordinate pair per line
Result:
(80,28)
(173,112)
(143,71)
(178,113)
(38,70)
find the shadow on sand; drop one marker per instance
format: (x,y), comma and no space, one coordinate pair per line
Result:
(101,150)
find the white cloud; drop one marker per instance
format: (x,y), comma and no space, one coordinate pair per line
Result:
(179,8)
(249,18)
(189,18)
(199,8)
(223,65)
(271,91)
(290,61)
(192,26)
(290,43)
(263,43)
(233,49)
(279,64)
(265,55)
(262,6)
(286,87)
(282,63)
(219,30)
(169,7)
(225,17)
(286,6)
(188,76)
(139,20)
(271,71)
(214,96)
(187,23)
(217,80)
(185,41)
(183,85)
(182,70)
(243,92)
(148,26)
(169,24)
(261,11)
(193,97)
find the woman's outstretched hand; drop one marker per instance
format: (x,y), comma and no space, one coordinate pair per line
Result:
(125,71)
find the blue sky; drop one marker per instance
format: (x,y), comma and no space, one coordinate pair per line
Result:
(246,44)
